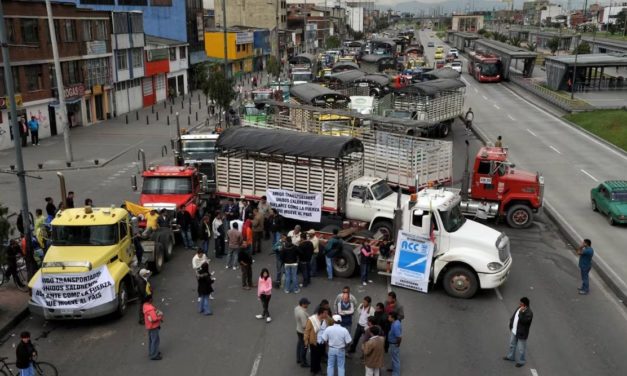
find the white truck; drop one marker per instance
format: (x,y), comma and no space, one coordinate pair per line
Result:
(252,160)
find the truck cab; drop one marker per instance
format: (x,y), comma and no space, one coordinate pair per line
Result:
(168,187)
(199,150)
(86,271)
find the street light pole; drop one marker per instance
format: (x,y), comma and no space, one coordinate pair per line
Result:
(21,177)
(278,38)
(572,89)
(60,89)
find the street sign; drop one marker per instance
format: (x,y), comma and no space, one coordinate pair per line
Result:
(4,101)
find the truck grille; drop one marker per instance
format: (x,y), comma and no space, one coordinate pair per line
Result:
(502,244)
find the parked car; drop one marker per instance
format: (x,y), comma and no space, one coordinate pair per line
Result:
(610,198)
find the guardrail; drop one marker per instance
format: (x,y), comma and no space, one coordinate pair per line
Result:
(549,95)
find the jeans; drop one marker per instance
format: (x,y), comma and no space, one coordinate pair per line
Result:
(521,345)
(359,331)
(34,137)
(313,265)
(247,275)
(336,356)
(205,246)
(279,268)
(363,268)
(231,260)
(291,279)
(187,238)
(301,352)
(395,354)
(305,271)
(257,237)
(585,279)
(219,249)
(276,236)
(265,302)
(204,305)
(373,371)
(153,343)
(329,267)
(30,371)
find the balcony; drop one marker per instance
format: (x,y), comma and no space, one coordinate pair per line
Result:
(94,47)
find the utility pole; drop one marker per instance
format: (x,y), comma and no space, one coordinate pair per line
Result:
(60,88)
(278,39)
(305,28)
(226,48)
(17,141)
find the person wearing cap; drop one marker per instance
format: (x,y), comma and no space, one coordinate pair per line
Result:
(301,316)
(144,289)
(337,338)
(315,241)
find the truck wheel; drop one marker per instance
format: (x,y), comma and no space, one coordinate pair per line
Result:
(157,265)
(122,299)
(460,282)
(445,129)
(519,216)
(594,206)
(168,246)
(344,265)
(385,228)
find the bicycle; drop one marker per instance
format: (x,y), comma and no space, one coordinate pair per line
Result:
(41,368)
(22,273)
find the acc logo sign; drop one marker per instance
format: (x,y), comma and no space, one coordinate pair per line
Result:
(410,246)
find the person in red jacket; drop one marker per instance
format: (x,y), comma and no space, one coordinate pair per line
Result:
(152,318)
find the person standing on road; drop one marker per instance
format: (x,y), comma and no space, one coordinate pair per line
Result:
(468,118)
(153,319)
(33,126)
(205,233)
(184,220)
(137,239)
(235,241)
(276,225)
(316,324)
(332,249)
(162,219)
(24,354)
(392,305)
(231,211)
(199,259)
(69,200)
(519,325)
(315,241)
(301,316)
(364,310)
(264,293)
(374,352)
(204,289)
(365,254)
(295,235)
(346,309)
(277,249)
(338,298)
(305,253)
(23,130)
(246,265)
(218,234)
(289,257)
(338,338)
(264,208)
(257,227)
(51,209)
(499,142)
(585,253)
(144,289)
(394,339)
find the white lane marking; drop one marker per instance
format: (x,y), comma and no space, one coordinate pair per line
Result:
(530,131)
(534,372)
(484,97)
(590,176)
(564,124)
(253,372)
(495,106)
(555,150)
(498,293)
(511,118)
(476,91)
(466,82)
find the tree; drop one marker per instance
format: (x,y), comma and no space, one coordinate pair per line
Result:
(515,41)
(582,49)
(553,44)
(532,46)
(333,42)
(612,29)
(220,89)
(273,67)
(621,20)
(482,32)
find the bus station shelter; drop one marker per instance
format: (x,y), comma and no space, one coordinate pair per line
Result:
(590,72)
(461,40)
(508,53)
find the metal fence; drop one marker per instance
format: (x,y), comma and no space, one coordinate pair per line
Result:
(549,95)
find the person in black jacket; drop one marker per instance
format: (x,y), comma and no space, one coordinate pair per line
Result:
(184,220)
(289,256)
(13,250)
(246,266)
(204,290)
(305,253)
(25,353)
(276,225)
(519,325)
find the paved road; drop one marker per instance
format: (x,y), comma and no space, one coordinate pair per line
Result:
(571,161)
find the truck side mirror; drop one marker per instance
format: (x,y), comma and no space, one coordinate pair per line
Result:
(134,183)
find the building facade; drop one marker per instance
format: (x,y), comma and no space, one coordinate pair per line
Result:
(83,39)
(165,69)
(128,42)
(240,50)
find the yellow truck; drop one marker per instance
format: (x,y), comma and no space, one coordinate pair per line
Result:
(86,272)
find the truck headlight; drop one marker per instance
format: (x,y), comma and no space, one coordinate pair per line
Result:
(495,266)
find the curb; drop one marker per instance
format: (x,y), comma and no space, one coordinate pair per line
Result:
(5,329)
(573,238)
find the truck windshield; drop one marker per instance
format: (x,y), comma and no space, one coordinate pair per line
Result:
(84,235)
(199,149)
(452,219)
(381,190)
(167,185)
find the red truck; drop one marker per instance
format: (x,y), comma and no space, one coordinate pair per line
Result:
(497,189)
(484,67)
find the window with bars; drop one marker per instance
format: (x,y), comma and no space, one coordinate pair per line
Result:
(100,30)
(121,60)
(16,82)
(30,30)
(69,29)
(10,24)
(120,23)
(98,72)
(137,23)
(87,34)
(138,58)
(71,72)
(34,77)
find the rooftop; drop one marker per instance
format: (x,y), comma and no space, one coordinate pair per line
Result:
(88,216)
(596,60)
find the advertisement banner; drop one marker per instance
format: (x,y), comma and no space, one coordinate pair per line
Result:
(296,205)
(412,262)
(74,291)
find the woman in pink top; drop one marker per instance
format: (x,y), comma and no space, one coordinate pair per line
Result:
(264,293)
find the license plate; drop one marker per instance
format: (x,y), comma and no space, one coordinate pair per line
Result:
(66,311)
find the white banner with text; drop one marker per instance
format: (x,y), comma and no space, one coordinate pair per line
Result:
(296,205)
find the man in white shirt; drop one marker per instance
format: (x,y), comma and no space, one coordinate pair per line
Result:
(199,258)
(338,338)
(364,310)
(295,235)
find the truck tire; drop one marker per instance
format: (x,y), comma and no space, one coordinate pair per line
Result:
(163,237)
(157,264)
(385,227)
(345,264)
(122,298)
(460,282)
(519,216)
(444,130)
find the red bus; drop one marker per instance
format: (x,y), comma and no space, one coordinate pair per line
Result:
(484,67)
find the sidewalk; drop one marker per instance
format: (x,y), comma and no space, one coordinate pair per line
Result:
(13,308)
